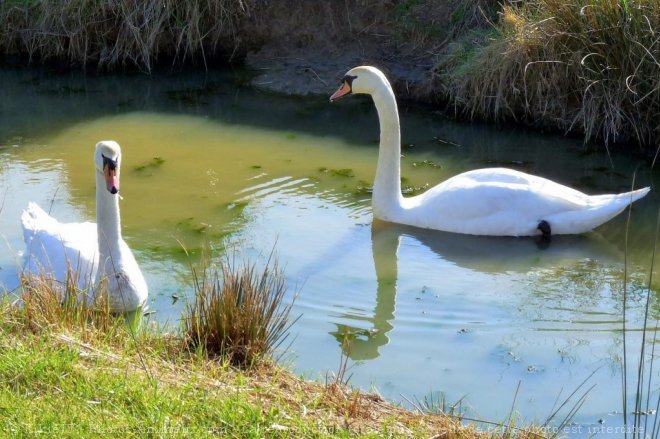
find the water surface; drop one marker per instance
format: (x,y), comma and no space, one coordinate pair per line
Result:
(210,163)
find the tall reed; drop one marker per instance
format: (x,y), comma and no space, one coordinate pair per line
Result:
(644,411)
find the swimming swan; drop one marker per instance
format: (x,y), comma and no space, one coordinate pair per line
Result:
(495,201)
(53,246)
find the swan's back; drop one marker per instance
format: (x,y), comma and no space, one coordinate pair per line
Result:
(56,249)
(504,177)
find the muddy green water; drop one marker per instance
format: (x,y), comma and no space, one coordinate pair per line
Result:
(209,162)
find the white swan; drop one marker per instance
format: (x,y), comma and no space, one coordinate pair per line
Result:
(94,252)
(495,201)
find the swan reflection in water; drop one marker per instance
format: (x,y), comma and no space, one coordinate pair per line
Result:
(482,254)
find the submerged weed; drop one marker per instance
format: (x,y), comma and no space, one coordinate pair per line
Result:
(414,190)
(344,172)
(154,163)
(429,163)
(364,188)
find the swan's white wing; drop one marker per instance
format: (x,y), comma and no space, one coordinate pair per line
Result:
(503,177)
(55,249)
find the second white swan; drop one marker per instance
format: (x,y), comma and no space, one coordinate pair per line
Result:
(95,253)
(493,201)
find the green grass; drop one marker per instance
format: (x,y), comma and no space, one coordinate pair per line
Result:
(49,387)
(69,367)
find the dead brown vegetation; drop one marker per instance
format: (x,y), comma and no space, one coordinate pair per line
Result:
(121,33)
(47,304)
(580,66)
(138,33)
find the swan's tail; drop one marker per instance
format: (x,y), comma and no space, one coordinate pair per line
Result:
(600,209)
(639,193)
(617,200)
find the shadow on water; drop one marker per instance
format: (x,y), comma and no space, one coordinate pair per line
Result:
(220,95)
(483,254)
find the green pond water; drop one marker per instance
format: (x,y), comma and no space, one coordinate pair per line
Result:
(215,164)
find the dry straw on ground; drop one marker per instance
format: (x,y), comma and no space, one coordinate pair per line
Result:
(578,66)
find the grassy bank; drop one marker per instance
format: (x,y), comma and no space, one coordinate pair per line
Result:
(53,383)
(71,368)
(90,375)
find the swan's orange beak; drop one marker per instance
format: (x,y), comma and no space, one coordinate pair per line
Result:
(111,174)
(344,90)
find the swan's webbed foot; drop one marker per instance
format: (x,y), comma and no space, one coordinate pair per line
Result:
(543,242)
(544,227)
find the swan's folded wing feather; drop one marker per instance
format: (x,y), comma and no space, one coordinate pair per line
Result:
(465,198)
(54,248)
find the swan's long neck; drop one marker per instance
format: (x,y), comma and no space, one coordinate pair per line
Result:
(387,185)
(108,224)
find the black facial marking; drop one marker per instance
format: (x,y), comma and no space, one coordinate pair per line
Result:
(111,164)
(349,80)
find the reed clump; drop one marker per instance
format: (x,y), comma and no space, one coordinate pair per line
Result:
(577,65)
(238,311)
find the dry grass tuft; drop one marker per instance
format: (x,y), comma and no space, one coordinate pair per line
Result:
(238,312)
(46,304)
(580,66)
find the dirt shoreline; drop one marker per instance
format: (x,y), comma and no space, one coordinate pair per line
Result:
(318,72)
